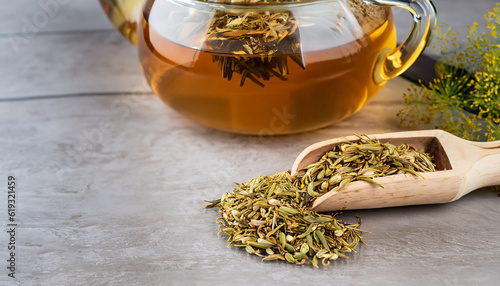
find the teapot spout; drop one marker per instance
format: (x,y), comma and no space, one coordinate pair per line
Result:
(124,15)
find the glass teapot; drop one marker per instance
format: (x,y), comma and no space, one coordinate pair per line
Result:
(269,66)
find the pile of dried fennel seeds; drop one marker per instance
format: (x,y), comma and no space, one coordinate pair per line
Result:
(271,216)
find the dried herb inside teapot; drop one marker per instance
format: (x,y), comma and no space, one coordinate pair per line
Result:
(271,217)
(255,45)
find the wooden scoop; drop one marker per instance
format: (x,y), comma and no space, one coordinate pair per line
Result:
(462,166)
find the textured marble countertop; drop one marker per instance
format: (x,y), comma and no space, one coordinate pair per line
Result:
(124,207)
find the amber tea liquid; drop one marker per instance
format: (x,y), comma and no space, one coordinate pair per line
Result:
(334,83)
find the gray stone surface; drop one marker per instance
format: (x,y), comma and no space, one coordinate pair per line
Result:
(99,61)
(51,16)
(458,14)
(111,187)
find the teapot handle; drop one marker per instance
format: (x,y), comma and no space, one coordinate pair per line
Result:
(392,63)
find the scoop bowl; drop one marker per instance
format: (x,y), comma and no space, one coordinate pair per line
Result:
(462,167)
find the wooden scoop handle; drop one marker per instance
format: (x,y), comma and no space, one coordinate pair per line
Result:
(487,145)
(486,171)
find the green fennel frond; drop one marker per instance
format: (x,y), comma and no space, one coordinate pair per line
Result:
(465,97)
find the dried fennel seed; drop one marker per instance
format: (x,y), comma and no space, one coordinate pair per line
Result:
(271,217)
(258,44)
(364,160)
